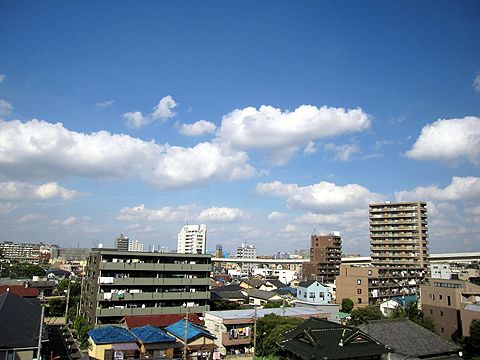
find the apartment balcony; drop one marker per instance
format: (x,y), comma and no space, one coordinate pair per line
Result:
(227,340)
(121,267)
(144,296)
(132,281)
(120,312)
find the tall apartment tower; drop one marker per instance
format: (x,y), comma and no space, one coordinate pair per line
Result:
(398,235)
(121,243)
(135,246)
(247,252)
(192,239)
(325,258)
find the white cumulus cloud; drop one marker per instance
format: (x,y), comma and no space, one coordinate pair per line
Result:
(281,134)
(466,188)
(138,213)
(163,111)
(105,104)
(40,150)
(5,107)
(18,190)
(323,197)
(8,208)
(343,152)
(196,129)
(276,216)
(449,141)
(222,214)
(31,217)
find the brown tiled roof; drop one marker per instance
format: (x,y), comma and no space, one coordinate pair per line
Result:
(161,321)
(20,290)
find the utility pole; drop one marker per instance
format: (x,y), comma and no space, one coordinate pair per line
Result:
(283,299)
(185,348)
(68,299)
(39,350)
(255,333)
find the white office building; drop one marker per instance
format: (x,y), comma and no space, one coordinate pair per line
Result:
(192,239)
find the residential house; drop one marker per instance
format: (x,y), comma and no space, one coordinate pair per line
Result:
(261,298)
(251,283)
(20,290)
(271,284)
(410,340)
(313,291)
(112,342)
(319,339)
(21,324)
(155,343)
(200,342)
(232,328)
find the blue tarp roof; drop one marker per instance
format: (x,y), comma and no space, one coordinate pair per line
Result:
(150,334)
(111,334)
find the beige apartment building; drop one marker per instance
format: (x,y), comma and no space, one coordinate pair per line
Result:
(452,304)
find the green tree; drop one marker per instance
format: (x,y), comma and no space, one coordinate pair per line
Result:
(220,304)
(34,270)
(269,329)
(81,327)
(362,315)
(347,305)
(471,344)
(56,307)
(413,312)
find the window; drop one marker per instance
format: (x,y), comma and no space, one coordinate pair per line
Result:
(369,272)
(441,297)
(431,311)
(441,312)
(449,301)
(322,295)
(433,296)
(311,295)
(359,300)
(443,330)
(359,282)
(359,291)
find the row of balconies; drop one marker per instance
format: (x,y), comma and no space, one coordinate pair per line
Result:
(119,267)
(412,234)
(397,227)
(150,310)
(144,296)
(124,282)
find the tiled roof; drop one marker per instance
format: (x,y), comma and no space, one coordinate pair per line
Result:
(227,295)
(19,321)
(265,295)
(320,339)
(230,287)
(20,290)
(193,331)
(150,334)
(111,334)
(277,283)
(306,284)
(408,338)
(161,321)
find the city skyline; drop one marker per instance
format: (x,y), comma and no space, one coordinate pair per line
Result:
(263,121)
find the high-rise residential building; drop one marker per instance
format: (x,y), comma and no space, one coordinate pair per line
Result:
(120,283)
(135,246)
(398,235)
(192,239)
(121,243)
(325,258)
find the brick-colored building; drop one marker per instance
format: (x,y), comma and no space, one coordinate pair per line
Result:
(325,258)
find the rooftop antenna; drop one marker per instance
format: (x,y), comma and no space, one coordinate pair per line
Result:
(314,230)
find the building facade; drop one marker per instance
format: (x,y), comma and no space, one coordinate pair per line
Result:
(451,304)
(192,239)
(135,246)
(120,283)
(325,258)
(247,252)
(121,243)
(398,235)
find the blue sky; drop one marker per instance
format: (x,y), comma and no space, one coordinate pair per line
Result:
(263,120)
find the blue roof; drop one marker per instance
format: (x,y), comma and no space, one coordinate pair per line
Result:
(178,329)
(150,334)
(292,290)
(111,334)
(408,299)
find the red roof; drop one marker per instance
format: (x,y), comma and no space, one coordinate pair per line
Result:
(161,321)
(20,290)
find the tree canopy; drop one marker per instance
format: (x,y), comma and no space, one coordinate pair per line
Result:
(269,329)
(413,312)
(347,305)
(362,315)
(471,344)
